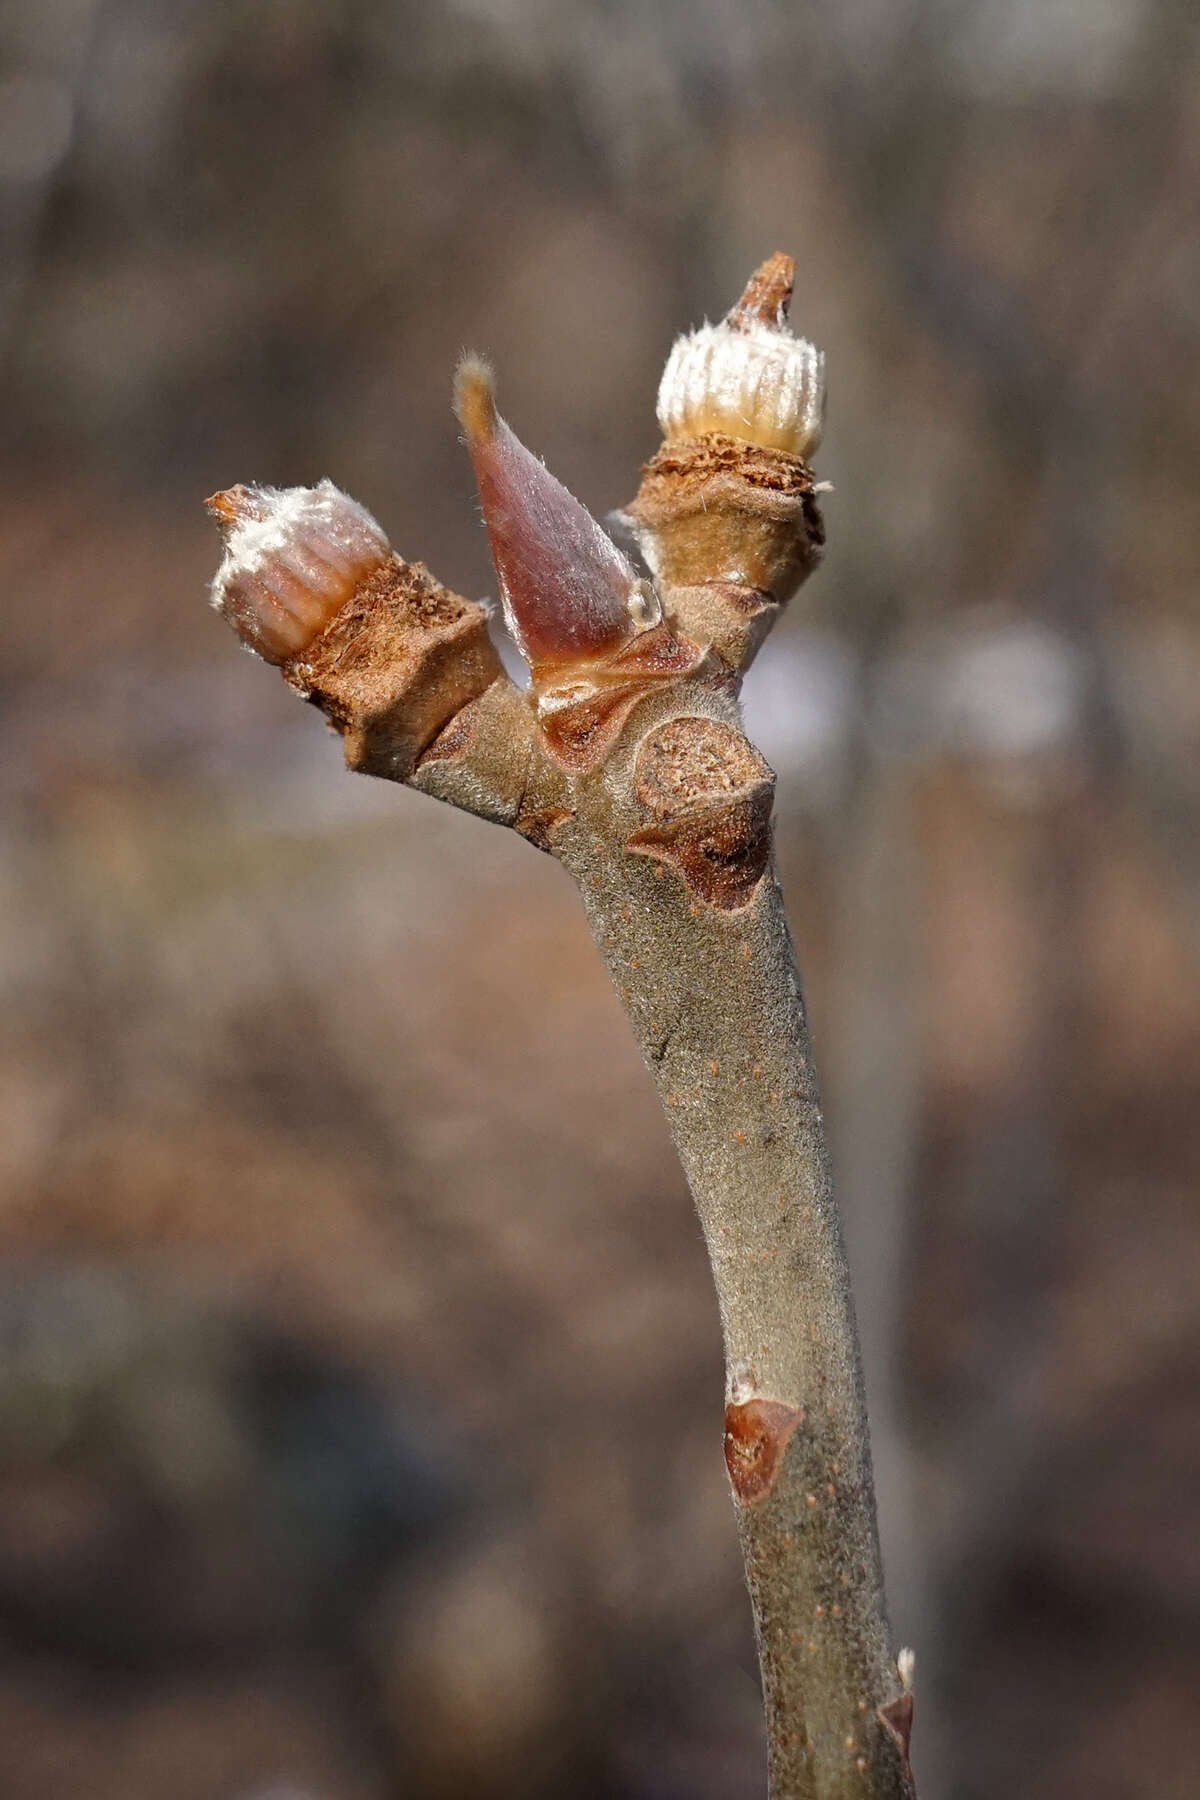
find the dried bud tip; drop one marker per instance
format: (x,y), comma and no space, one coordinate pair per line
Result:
(767,297)
(293,557)
(234,504)
(570,596)
(475,396)
(748,377)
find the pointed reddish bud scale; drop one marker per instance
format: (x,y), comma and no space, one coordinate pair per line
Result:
(570,596)
(293,557)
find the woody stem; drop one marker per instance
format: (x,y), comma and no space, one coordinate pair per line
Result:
(715,1003)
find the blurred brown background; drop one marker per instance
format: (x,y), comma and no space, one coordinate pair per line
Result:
(346,1265)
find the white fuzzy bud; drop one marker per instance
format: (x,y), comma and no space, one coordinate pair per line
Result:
(293,557)
(759,384)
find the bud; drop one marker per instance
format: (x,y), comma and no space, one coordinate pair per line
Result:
(726,516)
(749,377)
(293,557)
(570,596)
(389,655)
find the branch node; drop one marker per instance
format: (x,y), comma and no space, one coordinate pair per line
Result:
(710,794)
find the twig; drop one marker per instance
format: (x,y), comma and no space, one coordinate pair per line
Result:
(627,761)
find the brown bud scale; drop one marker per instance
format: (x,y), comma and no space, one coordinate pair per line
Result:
(695,459)
(579,734)
(768,295)
(722,856)
(713,512)
(897,1720)
(756,1436)
(395,665)
(540,828)
(579,725)
(455,739)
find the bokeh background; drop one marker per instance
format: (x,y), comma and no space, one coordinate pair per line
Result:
(346,1267)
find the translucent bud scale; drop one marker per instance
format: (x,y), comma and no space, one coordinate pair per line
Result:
(293,557)
(570,595)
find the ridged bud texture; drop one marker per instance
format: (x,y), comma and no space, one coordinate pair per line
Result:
(293,557)
(755,383)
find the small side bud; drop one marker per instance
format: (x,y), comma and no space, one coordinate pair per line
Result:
(749,377)
(293,557)
(570,596)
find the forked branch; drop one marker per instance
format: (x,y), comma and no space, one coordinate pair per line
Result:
(626,760)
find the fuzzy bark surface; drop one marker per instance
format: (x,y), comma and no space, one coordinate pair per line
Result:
(635,773)
(697,945)
(715,1002)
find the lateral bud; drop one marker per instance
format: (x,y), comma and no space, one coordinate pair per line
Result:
(293,557)
(726,516)
(309,581)
(571,597)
